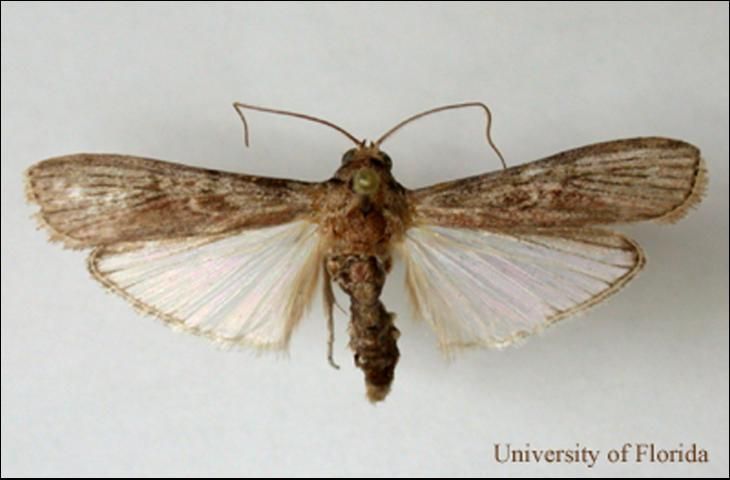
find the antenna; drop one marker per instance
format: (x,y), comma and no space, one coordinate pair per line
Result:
(239,106)
(441,109)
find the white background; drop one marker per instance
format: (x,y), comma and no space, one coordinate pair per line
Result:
(89,387)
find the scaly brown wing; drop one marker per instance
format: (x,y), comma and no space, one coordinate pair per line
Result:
(613,182)
(234,258)
(494,258)
(94,199)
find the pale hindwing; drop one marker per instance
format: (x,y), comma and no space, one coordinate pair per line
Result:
(249,288)
(491,289)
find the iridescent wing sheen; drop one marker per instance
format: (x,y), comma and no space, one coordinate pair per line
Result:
(480,288)
(493,258)
(613,182)
(231,257)
(250,288)
(89,200)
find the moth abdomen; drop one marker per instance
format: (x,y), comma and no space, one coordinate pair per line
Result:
(373,335)
(373,338)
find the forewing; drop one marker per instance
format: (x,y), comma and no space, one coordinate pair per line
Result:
(482,288)
(250,288)
(89,200)
(613,182)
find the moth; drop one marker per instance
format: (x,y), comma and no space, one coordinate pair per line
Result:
(489,259)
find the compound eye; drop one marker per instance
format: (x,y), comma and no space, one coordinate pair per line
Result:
(386,159)
(348,156)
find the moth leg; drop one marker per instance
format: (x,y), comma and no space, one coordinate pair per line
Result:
(329,301)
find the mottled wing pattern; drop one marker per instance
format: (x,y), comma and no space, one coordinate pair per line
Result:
(495,257)
(479,288)
(92,199)
(614,182)
(231,257)
(250,288)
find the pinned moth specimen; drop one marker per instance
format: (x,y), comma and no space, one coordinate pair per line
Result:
(489,259)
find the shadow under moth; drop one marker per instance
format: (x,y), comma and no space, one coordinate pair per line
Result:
(489,259)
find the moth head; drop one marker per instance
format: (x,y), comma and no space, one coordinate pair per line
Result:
(369,154)
(366,168)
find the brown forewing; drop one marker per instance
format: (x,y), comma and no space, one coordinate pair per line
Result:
(94,199)
(612,182)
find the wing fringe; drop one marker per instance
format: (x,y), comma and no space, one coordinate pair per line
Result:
(307,281)
(54,235)
(449,348)
(693,198)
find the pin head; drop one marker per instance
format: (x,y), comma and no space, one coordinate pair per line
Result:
(365,181)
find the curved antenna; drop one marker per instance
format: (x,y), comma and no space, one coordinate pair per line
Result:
(449,107)
(238,106)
